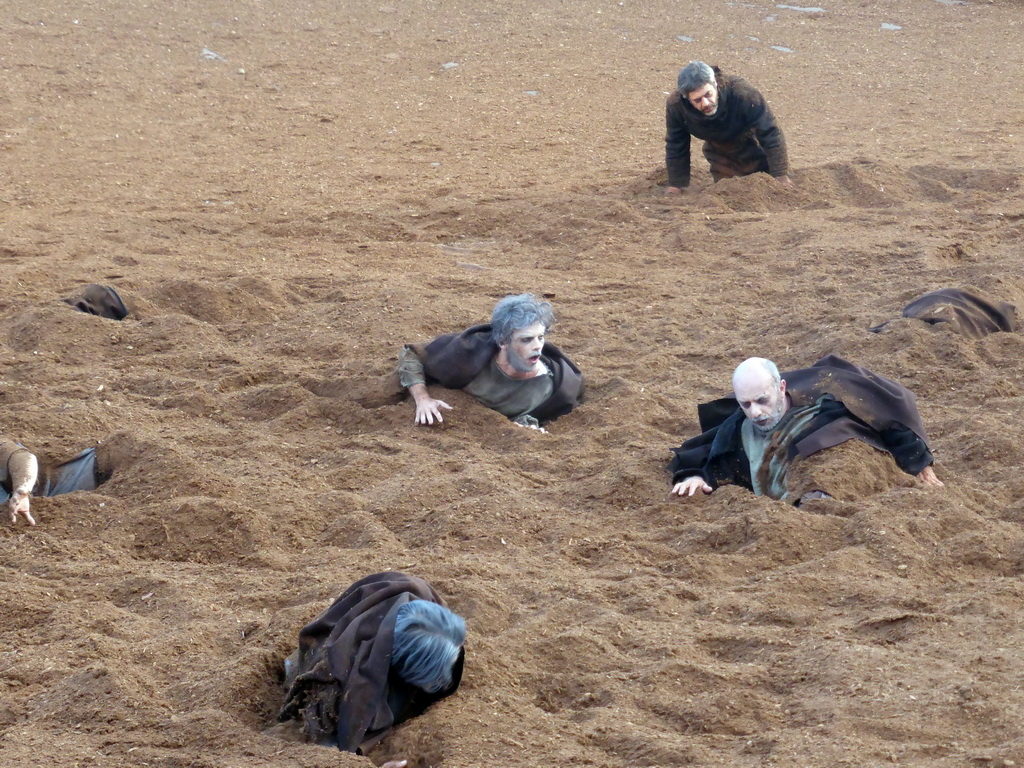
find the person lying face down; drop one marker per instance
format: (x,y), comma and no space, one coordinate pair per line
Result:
(508,366)
(382,653)
(23,476)
(754,438)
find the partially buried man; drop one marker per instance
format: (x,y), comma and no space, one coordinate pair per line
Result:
(507,365)
(740,133)
(755,438)
(383,652)
(22,476)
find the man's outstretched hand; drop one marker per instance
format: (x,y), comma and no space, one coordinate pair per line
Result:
(690,486)
(18,504)
(928,477)
(428,411)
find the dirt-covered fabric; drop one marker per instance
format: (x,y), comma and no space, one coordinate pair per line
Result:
(101,300)
(967,311)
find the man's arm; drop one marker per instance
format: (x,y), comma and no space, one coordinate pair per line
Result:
(412,377)
(24,471)
(911,454)
(689,465)
(772,140)
(677,148)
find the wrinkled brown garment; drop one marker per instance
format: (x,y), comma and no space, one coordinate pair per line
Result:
(967,311)
(101,300)
(340,684)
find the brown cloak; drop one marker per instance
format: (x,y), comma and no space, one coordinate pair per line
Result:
(100,300)
(340,684)
(967,311)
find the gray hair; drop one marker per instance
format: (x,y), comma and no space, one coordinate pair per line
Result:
(515,312)
(428,638)
(695,75)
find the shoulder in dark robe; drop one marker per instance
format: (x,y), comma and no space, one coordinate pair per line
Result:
(340,684)
(872,408)
(967,311)
(455,359)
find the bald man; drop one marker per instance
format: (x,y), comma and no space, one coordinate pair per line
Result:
(754,438)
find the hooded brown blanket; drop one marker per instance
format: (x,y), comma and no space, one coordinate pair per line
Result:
(101,300)
(862,405)
(967,311)
(340,684)
(455,359)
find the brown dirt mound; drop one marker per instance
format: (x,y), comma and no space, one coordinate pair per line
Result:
(282,221)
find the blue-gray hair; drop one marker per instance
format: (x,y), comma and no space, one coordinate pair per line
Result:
(515,312)
(695,75)
(428,638)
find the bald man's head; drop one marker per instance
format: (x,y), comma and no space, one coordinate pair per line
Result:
(761,392)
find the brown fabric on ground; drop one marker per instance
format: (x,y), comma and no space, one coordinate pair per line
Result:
(101,300)
(339,684)
(968,311)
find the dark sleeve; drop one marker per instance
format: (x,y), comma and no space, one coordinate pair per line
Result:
(910,451)
(770,137)
(691,459)
(677,148)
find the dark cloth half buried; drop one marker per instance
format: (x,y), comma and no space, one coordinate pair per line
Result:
(967,311)
(831,402)
(100,300)
(455,359)
(82,473)
(339,684)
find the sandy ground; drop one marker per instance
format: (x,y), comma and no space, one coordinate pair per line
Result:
(280,221)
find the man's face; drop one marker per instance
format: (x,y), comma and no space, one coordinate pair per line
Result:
(762,401)
(524,348)
(705,99)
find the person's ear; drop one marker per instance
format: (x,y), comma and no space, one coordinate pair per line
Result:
(782,386)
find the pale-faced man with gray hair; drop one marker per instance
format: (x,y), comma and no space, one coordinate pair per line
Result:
(740,133)
(773,421)
(507,365)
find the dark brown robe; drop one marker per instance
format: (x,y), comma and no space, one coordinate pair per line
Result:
(340,685)
(100,300)
(859,405)
(966,311)
(455,359)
